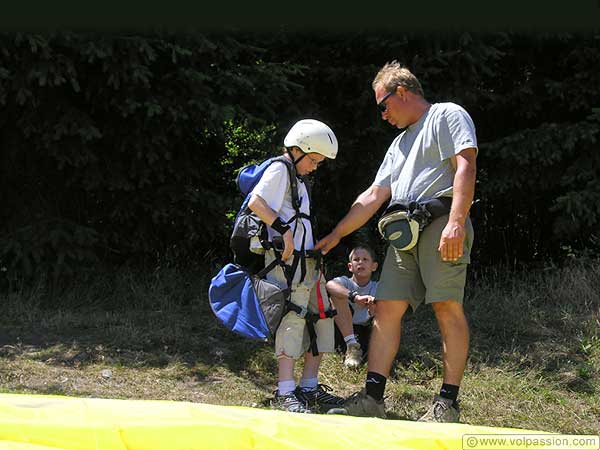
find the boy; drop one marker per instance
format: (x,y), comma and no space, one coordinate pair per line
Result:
(354,300)
(307,145)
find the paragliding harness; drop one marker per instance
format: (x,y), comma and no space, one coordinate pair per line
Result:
(402,221)
(240,296)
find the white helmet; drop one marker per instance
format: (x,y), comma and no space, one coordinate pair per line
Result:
(312,136)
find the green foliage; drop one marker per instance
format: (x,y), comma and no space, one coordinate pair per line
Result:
(129,142)
(121,136)
(54,247)
(542,194)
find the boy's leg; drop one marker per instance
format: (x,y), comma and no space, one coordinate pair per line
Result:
(288,345)
(314,394)
(285,368)
(311,366)
(290,333)
(363,334)
(286,383)
(340,345)
(286,397)
(343,318)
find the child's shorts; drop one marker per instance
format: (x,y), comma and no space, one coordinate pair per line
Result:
(292,339)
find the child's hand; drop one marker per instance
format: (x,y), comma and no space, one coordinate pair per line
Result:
(372,307)
(364,299)
(288,241)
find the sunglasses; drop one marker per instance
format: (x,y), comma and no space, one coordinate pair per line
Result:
(382,106)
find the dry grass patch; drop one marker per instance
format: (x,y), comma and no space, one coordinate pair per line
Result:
(534,361)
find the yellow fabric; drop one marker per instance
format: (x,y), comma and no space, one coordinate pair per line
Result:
(39,422)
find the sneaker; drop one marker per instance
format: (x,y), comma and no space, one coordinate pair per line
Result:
(361,404)
(290,402)
(319,399)
(354,356)
(442,410)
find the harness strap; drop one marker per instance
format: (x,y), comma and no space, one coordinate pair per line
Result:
(268,268)
(311,319)
(278,262)
(320,297)
(303,256)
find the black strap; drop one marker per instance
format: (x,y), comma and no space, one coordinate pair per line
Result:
(438,207)
(287,273)
(291,168)
(423,212)
(311,319)
(267,268)
(312,335)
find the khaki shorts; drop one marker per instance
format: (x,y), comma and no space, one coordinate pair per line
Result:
(291,338)
(419,275)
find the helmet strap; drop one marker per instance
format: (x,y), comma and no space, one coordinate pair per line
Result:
(294,160)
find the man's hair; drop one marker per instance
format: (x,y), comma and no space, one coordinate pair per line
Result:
(393,74)
(366,248)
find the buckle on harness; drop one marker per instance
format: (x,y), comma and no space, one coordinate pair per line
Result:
(303,311)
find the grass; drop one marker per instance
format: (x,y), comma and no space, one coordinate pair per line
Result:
(534,361)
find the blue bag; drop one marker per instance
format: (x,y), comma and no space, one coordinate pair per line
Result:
(247,304)
(239,295)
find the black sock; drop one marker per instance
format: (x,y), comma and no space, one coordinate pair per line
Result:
(375,385)
(449,391)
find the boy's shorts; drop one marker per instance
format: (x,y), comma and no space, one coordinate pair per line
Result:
(291,338)
(419,275)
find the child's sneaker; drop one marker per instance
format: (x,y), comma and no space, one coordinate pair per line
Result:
(442,410)
(319,399)
(290,402)
(361,404)
(354,355)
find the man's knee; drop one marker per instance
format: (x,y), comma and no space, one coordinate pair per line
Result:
(390,311)
(449,311)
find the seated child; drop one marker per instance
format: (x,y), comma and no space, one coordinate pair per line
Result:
(354,301)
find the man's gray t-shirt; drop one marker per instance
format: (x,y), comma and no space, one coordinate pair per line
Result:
(361,314)
(417,165)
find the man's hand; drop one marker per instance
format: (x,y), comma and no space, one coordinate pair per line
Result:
(451,241)
(327,243)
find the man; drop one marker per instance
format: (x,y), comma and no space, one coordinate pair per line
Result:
(432,158)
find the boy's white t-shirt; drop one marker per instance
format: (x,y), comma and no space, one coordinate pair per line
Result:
(361,314)
(274,188)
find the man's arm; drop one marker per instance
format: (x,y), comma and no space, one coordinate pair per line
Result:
(264,212)
(453,236)
(365,205)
